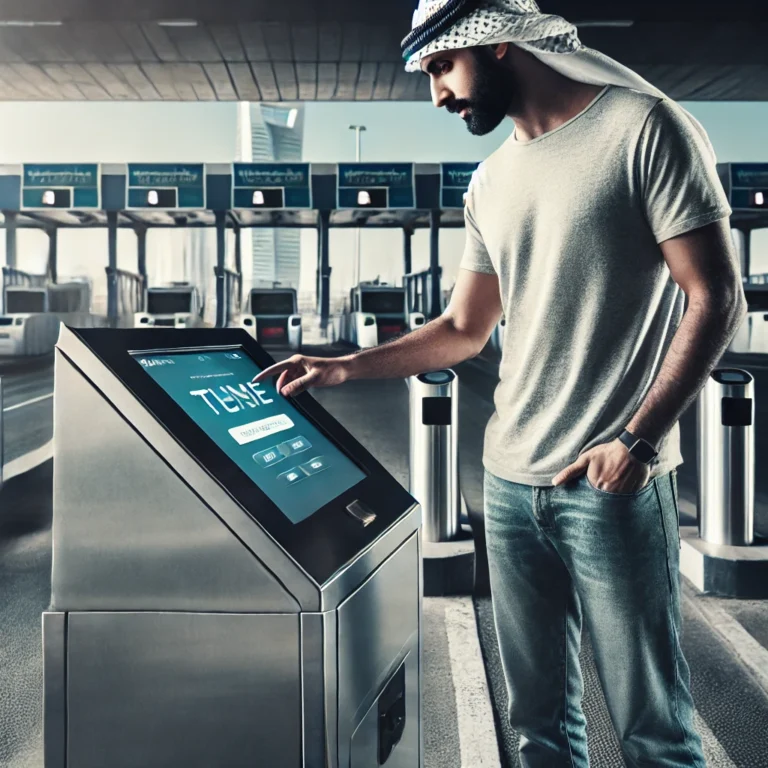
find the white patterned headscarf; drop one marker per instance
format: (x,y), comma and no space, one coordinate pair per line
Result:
(441,25)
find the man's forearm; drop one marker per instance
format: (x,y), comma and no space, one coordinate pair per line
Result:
(438,344)
(701,339)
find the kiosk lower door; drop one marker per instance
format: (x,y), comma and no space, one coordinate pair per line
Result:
(378,653)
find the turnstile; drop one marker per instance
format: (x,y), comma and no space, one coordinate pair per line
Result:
(236,581)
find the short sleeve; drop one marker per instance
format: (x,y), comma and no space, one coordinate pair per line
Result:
(677,170)
(475,258)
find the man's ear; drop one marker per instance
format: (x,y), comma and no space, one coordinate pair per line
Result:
(500,50)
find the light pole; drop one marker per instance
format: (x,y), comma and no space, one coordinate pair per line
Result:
(358,129)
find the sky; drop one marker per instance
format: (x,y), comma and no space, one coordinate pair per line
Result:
(396,131)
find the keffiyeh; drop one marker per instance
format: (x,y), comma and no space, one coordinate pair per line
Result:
(440,25)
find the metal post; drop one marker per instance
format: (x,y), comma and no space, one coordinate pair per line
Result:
(726,458)
(434,452)
(358,129)
(10,238)
(239,267)
(141,268)
(112,308)
(141,250)
(221,256)
(407,250)
(747,251)
(53,266)
(434,308)
(325,268)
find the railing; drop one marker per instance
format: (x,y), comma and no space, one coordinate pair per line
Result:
(418,293)
(13,276)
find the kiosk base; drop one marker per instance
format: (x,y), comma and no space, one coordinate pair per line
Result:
(161,690)
(722,570)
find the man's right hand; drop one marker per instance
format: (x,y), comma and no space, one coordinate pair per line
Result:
(299,373)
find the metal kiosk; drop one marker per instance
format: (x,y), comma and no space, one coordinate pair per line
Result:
(236,581)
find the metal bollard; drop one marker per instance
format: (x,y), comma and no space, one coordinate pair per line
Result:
(434,452)
(726,451)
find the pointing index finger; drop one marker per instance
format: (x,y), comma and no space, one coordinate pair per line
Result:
(273,370)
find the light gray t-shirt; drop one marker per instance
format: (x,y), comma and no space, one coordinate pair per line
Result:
(571,222)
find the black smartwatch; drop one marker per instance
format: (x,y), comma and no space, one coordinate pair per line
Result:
(641,449)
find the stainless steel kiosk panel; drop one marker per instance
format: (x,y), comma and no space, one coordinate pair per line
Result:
(236,581)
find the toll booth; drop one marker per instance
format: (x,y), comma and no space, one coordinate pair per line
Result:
(26,328)
(376,313)
(272,317)
(236,580)
(173,306)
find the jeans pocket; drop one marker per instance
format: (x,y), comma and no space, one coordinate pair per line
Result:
(633,495)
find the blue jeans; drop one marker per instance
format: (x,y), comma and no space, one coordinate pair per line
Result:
(561,555)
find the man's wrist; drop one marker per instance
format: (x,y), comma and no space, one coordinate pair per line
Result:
(638,447)
(350,367)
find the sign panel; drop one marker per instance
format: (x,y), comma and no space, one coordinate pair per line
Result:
(271,185)
(749,185)
(56,185)
(454,182)
(375,185)
(166,186)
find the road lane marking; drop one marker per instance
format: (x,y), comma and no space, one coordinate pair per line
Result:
(28,402)
(474,713)
(27,462)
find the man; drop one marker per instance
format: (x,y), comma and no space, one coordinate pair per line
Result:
(582,229)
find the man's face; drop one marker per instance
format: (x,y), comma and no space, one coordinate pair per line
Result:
(473,83)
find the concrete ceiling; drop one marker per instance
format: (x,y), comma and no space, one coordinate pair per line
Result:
(345,50)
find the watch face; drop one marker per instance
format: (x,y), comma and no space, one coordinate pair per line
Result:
(643,451)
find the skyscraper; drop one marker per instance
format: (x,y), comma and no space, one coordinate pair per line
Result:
(272,133)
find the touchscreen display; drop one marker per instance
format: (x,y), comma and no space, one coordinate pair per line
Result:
(287,457)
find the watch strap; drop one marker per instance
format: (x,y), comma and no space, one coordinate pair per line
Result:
(641,449)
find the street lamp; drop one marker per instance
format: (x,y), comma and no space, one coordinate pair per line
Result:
(358,129)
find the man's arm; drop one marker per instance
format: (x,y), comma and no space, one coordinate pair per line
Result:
(458,334)
(704,264)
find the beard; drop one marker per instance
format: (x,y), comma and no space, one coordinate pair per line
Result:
(491,94)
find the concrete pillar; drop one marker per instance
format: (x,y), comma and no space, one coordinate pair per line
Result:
(112,294)
(434,263)
(222,311)
(53,253)
(10,238)
(324,268)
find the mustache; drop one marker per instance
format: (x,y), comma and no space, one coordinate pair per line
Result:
(458,105)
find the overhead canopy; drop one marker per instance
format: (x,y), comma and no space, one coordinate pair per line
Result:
(253,50)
